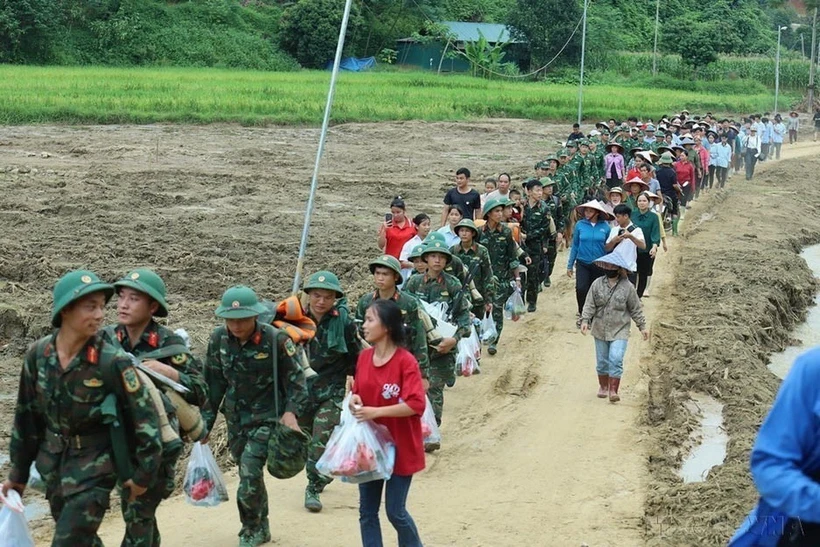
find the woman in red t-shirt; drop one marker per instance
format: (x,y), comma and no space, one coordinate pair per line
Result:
(686,176)
(396,231)
(388,390)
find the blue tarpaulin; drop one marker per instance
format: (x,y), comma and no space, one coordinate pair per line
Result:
(353,64)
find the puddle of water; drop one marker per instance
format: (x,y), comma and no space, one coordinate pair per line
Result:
(808,332)
(709,440)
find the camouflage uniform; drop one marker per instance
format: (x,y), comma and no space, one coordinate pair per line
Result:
(413,327)
(241,385)
(441,369)
(536,224)
(60,423)
(503,257)
(556,212)
(333,353)
(140,515)
(483,278)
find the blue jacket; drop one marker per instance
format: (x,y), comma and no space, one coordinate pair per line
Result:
(588,242)
(786,451)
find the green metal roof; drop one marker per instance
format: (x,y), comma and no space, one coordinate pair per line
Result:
(470,32)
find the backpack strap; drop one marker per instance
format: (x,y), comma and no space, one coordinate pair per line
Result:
(274,336)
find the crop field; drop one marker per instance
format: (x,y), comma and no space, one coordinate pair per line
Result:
(147,95)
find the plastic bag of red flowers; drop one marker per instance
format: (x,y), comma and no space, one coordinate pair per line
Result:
(429,427)
(358,451)
(204,485)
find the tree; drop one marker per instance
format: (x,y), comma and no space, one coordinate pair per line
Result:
(25,29)
(699,45)
(545,25)
(310,28)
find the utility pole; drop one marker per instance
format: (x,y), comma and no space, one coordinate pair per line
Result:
(583,51)
(655,48)
(813,64)
(777,69)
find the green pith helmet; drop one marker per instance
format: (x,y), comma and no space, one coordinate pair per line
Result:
(386,261)
(148,282)
(546,181)
(416,252)
(490,205)
(543,164)
(324,280)
(435,237)
(287,452)
(467,223)
(666,158)
(551,157)
(239,302)
(564,153)
(437,247)
(73,286)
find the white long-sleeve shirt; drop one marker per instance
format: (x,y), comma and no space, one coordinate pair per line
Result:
(752,141)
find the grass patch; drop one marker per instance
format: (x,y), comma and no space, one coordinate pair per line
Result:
(204,95)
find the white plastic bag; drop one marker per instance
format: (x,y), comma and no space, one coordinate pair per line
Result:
(468,354)
(204,485)
(429,427)
(438,311)
(14,530)
(514,307)
(358,451)
(489,332)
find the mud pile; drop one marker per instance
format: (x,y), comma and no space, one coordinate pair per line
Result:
(739,290)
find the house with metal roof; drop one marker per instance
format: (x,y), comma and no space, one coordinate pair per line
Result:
(432,54)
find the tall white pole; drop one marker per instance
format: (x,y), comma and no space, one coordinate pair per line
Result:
(314,182)
(655,48)
(812,65)
(777,70)
(583,52)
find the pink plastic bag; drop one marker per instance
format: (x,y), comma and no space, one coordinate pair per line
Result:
(429,428)
(358,451)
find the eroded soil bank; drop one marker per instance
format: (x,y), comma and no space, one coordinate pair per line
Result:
(739,289)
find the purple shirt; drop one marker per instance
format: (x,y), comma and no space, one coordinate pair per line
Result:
(614,159)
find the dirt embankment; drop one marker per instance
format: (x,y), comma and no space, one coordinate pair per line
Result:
(739,289)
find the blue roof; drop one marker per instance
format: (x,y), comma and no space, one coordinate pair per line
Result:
(470,32)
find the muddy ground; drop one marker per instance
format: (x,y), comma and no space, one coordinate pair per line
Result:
(208,207)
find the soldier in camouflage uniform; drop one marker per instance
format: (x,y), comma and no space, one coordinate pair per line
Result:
(250,367)
(498,240)
(71,382)
(333,353)
(470,252)
(455,267)
(437,286)
(386,272)
(556,212)
(538,226)
(141,296)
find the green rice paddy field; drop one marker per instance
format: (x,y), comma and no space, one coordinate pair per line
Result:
(146,95)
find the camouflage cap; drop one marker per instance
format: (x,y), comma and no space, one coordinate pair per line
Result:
(287,452)
(543,164)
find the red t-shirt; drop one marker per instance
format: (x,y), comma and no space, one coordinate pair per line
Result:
(397,381)
(685,172)
(397,237)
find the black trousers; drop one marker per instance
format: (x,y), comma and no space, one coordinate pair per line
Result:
(721,175)
(585,274)
(712,170)
(645,264)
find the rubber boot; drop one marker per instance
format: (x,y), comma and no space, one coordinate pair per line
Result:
(648,282)
(614,384)
(312,501)
(603,386)
(675,222)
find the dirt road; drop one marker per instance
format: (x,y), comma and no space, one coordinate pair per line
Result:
(529,456)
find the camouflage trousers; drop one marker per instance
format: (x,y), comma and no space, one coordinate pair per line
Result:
(249,449)
(78,517)
(140,515)
(441,372)
(320,416)
(503,292)
(534,273)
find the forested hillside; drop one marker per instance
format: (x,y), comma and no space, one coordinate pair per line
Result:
(271,35)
